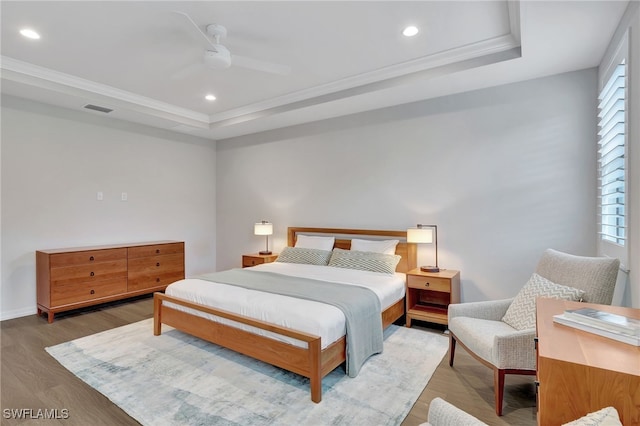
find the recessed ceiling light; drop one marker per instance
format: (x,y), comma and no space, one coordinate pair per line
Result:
(210,97)
(29,33)
(410,31)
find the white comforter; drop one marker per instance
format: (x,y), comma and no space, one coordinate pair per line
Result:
(308,316)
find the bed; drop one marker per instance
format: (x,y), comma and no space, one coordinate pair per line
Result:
(288,347)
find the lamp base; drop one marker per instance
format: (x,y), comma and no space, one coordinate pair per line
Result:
(264,252)
(429,269)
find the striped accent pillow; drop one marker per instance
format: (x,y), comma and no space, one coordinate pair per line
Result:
(521,314)
(364,261)
(307,256)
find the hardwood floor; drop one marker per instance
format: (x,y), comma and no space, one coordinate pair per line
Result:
(31,379)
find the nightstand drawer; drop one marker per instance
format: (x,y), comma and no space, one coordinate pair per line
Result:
(251,261)
(429,283)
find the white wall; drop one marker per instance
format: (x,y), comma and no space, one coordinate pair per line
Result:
(504,172)
(54,161)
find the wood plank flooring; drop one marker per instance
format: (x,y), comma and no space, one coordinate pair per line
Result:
(31,378)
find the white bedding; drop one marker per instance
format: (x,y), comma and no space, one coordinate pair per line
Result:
(316,318)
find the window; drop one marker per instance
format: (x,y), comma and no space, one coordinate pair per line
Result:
(611,156)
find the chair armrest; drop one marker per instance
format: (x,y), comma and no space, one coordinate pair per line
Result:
(489,310)
(441,413)
(516,350)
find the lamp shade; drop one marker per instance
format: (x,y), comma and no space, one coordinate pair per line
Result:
(263,228)
(420,235)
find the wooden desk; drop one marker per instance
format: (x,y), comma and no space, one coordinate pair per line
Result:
(580,372)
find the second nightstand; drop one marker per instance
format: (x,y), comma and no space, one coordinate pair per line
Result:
(430,293)
(257,259)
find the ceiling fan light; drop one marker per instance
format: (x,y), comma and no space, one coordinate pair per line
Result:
(410,31)
(218,60)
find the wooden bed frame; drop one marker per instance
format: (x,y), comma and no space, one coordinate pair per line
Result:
(311,362)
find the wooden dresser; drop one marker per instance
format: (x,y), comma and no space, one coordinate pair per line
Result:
(72,278)
(580,372)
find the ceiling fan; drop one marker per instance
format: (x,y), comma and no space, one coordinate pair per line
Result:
(217,56)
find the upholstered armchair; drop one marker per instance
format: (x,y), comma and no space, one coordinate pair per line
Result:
(442,413)
(500,334)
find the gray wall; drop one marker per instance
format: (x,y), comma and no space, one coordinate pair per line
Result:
(54,161)
(504,172)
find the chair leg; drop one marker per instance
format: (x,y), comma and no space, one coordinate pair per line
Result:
(452,348)
(498,385)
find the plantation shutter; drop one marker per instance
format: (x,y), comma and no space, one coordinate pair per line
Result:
(611,157)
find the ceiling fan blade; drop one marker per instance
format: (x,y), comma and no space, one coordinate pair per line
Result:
(197,28)
(258,65)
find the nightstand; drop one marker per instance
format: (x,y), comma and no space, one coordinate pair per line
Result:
(257,259)
(430,293)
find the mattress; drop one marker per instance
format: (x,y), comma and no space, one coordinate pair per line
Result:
(308,316)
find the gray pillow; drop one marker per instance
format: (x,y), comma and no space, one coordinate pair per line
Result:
(364,261)
(307,256)
(521,314)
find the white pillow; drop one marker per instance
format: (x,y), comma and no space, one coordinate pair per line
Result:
(384,247)
(319,243)
(521,314)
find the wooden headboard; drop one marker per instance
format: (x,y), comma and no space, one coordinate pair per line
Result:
(407,251)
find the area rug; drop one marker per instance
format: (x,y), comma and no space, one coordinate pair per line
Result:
(177,379)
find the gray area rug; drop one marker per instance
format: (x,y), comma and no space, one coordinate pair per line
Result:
(177,379)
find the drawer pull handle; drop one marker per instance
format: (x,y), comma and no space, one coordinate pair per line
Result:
(91,274)
(158,264)
(157,251)
(157,280)
(426,284)
(93,292)
(91,258)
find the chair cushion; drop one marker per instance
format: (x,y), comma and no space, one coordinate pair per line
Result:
(521,314)
(606,417)
(479,334)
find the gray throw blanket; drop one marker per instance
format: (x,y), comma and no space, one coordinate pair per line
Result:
(361,306)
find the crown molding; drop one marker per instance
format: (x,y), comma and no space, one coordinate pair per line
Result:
(34,75)
(381,78)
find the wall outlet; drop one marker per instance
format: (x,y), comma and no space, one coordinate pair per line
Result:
(99,196)
(124,196)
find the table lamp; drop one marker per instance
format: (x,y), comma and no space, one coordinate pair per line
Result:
(264,228)
(425,234)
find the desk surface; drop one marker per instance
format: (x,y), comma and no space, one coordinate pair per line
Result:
(568,344)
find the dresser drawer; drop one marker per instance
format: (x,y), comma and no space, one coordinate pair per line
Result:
(155,264)
(83,257)
(155,271)
(83,291)
(161,279)
(155,250)
(89,272)
(429,283)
